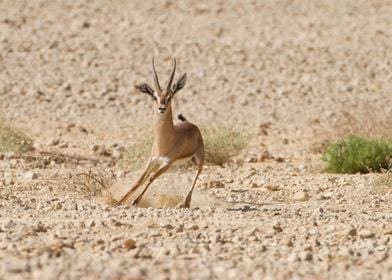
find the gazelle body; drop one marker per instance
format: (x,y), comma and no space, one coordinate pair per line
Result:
(172,142)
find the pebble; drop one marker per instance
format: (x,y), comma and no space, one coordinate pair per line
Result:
(250,158)
(352,232)
(366,234)
(31,175)
(193,227)
(293,257)
(301,196)
(91,223)
(215,184)
(129,244)
(305,256)
(296,84)
(272,188)
(277,227)
(39,227)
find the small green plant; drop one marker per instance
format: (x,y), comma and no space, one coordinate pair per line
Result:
(13,140)
(358,155)
(222,142)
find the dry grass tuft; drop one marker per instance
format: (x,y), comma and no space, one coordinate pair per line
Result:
(86,184)
(221,141)
(136,154)
(13,140)
(108,198)
(373,122)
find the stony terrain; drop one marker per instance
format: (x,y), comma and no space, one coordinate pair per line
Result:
(294,75)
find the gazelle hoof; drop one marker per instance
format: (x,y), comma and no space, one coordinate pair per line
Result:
(183,205)
(134,202)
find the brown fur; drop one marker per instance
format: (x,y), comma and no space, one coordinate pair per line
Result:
(172,142)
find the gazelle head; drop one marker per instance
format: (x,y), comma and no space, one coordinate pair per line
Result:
(162,97)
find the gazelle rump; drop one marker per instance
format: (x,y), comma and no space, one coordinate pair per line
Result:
(172,142)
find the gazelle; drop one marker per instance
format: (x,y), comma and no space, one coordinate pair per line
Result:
(172,142)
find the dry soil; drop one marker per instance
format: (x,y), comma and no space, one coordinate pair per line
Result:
(294,75)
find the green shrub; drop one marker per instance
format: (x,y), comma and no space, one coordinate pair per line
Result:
(358,155)
(13,140)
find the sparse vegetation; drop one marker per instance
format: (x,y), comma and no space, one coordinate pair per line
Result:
(358,155)
(136,154)
(13,140)
(221,143)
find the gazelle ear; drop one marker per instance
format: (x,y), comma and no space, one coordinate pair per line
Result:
(179,84)
(144,88)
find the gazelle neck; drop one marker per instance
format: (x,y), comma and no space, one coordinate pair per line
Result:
(164,132)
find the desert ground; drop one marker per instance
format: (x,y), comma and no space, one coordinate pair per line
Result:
(293,75)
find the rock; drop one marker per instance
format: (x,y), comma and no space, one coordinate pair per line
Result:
(293,257)
(289,242)
(117,153)
(352,232)
(272,188)
(250,158)
(101,151)
(215,184)
(277,227)
(115,223)
(305,256)
(325,196)
(129,244)
(263,248)
(39,227)
(193,227)
(265,155)
(54,142)
(31,175)
(366,234)
(91,223)
(279,159)
(301,196)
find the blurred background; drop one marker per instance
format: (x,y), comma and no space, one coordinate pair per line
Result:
(295,74)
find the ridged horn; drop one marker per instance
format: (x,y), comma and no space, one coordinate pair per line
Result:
(156,80)
(169,84)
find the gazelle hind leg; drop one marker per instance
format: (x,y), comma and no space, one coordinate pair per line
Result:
(198,159)
(150,167)
(163,168)
(187,202)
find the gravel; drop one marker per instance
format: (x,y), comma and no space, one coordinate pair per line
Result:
(294,75)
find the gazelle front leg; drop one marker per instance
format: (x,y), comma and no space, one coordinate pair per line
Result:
(151,165)
(162,169)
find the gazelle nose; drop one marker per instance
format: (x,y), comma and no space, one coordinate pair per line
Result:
(162,109)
